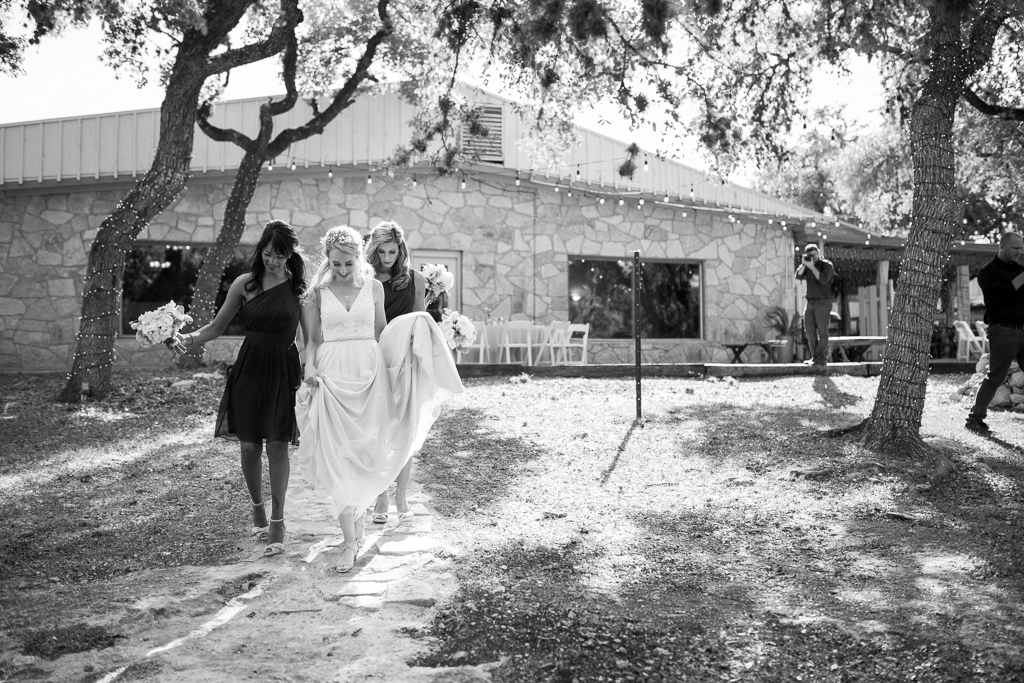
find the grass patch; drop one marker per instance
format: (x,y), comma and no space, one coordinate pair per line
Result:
(51,643)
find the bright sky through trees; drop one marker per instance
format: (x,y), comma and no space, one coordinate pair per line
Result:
(65,78)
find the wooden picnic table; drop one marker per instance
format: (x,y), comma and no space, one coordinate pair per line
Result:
(852,349)
(768,346)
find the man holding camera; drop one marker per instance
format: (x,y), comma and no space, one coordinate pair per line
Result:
(1002,284)
(818,274)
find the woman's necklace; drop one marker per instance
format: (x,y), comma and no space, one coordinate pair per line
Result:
(347,294)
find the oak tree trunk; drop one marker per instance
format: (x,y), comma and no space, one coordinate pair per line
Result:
(895,421)
(94,350)
(204,299)
(193,63)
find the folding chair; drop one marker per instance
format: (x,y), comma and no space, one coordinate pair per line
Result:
(983,333)
(554,339)
(481,346)
(573,343)
(517,334)
(967,343)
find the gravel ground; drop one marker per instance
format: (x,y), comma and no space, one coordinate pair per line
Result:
(725,537)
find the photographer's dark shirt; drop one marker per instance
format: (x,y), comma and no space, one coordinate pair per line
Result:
(819,287)
(1003,304)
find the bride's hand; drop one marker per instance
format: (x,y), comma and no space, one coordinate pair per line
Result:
(311,382)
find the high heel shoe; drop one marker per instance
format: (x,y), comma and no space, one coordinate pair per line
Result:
(277,547)
(349,552)
(260,531)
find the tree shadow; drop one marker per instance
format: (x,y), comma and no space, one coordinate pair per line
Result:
(832,395)
(700,549)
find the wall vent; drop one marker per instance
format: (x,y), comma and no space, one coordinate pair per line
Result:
(487,148)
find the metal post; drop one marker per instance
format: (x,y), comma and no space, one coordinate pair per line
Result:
(637,285)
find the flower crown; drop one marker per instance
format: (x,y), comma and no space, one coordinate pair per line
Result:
(342,238)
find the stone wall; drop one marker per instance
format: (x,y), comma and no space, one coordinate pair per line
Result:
(515,244)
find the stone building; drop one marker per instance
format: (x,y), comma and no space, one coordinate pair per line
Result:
(523,242)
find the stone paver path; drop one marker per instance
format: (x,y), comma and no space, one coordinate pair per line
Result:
(287,618)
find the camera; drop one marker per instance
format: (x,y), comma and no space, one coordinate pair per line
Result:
(808,257)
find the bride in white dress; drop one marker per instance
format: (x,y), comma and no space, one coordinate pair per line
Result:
(364,407)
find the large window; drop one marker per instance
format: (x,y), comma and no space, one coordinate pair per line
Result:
(600,293)
(157,273)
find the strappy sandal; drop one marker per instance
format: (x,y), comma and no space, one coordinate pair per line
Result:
(278,547)
(346,563)
(261,533)
(380,518)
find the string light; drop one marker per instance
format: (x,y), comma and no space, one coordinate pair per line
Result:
(270,165)
(293,165)
(463,183)
(621,201)
(577,173)
(517,179)
(570,190)
(414,181)
(666,197)
(556,187)
(601,200)
(647,167)
(330,172)
(369,179)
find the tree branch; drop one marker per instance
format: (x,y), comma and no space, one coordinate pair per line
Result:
(291,16)
(345,95)
(219,134)
(995,110)
(288,72)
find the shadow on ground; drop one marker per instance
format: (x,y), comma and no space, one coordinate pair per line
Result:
(727,542)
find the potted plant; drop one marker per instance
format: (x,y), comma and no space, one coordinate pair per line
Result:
(778,320)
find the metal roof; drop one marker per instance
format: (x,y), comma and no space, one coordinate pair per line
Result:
(119,146)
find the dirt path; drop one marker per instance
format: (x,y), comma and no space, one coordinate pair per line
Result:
(288,618)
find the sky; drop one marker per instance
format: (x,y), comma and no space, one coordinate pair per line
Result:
(64,77)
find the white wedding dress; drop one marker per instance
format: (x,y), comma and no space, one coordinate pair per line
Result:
(375,403)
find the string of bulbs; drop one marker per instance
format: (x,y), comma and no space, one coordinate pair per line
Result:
(601,196)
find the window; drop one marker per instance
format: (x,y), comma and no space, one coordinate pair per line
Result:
(157,273)
(600,293)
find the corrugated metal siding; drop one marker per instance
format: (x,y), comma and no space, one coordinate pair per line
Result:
(121,146)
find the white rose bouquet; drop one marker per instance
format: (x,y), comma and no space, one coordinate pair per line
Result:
(458,330)
(437,280)
(156,327)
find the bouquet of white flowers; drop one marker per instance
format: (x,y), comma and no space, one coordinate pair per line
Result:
(458,330)
(437,279)
(156,327)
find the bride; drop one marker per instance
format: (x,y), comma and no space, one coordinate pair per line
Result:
(364,407)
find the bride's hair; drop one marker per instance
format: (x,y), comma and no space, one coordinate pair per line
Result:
(347,240)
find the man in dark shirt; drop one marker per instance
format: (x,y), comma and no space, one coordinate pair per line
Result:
(818,274)
(1001,281)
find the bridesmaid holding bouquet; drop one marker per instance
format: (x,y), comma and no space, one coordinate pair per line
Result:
(259,400)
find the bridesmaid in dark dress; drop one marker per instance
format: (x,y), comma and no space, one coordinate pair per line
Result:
(259,400)
(404,292)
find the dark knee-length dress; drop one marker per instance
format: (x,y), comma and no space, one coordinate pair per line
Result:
(259,399)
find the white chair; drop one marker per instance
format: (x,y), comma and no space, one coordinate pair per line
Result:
(553,341)
(983,333)
(576,336)
(517,334)
(480,345)
(967,343)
